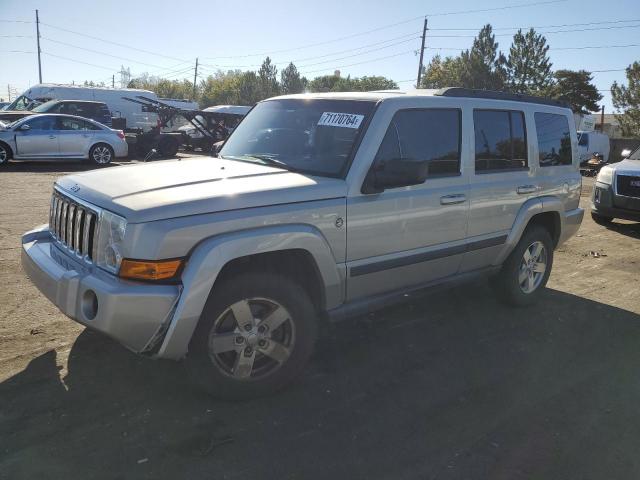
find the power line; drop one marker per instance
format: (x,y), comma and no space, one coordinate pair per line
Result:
(129,47)
(619,27)
(596,46)
(506,7)
(78,61)
(360,63)
(540,26)
(101,53)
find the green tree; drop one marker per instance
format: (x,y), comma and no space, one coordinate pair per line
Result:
(222,88)
(324,83)
(334,83)
(250,89)
(483,66)
(291,81)
(441,73)
(575,88)
(528,65)
(268,76)
(368,84)
(627,99)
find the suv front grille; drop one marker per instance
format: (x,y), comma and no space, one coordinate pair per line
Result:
(72,224)
(625,186)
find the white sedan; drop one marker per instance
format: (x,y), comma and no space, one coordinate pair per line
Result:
(51,136)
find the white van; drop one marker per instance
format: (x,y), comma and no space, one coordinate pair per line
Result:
(590,143)
(136,115)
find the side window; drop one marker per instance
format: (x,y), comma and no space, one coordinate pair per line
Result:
(66,124)
(42,123)
(554,139)
(501,140)
(429,136)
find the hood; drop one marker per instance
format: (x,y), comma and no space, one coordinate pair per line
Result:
(631,167)
(178,188)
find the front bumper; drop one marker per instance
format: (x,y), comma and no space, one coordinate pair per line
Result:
(121,149)
(132,313)
(606,203)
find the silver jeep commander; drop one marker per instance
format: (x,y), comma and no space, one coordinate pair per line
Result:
(319,206)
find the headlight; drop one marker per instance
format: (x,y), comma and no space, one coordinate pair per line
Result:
(108,248)
(605,175)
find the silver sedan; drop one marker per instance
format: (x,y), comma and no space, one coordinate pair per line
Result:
(47,136)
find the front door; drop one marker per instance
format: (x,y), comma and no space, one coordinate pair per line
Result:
(411,235)
(75,136)
(39,141)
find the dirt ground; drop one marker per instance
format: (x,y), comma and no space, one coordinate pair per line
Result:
(447,386)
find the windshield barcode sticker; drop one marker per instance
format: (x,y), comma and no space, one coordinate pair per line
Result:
(346,120)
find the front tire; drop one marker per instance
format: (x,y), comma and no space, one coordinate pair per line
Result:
(101,154)
(601,220)
(255,335)
(5,154)
(526,271)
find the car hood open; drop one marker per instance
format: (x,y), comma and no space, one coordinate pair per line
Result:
(178,188)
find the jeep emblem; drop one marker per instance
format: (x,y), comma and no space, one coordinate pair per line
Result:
(75,188)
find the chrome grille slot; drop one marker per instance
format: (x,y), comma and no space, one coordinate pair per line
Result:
(72,224)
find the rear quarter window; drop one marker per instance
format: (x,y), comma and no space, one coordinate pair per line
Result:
(554,139)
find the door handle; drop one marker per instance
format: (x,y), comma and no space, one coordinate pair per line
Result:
(453,199)
(524,189)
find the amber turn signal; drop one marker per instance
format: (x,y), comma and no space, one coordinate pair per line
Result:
(149,270)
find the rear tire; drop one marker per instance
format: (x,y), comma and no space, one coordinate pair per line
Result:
(525,272)
(255,335)
(101,154)
(168,147)
(601,220)
(5,154)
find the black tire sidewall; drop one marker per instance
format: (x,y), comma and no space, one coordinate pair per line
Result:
(8,152)
(507,280)
(247,285)
(101,145)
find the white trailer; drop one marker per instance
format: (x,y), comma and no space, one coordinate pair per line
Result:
(134,114)
(590,143)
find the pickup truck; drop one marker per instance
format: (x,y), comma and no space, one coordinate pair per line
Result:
(319,207)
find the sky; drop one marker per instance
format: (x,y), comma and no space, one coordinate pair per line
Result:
(357,37)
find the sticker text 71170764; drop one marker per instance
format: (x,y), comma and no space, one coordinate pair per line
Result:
(345,120)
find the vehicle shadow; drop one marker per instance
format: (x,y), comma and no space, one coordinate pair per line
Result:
(452,385)
(629,229)
(55,166)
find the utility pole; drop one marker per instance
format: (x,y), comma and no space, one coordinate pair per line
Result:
(602,120)
(113,81)
(38,39)
(195,78)
(9,92)
(424,36)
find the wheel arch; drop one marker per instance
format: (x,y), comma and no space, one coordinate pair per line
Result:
(281,248)
(5,144)
(544,211)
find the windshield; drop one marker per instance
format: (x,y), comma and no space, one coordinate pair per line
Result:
(22,103)
(312,136)
(635,155)
(45,106)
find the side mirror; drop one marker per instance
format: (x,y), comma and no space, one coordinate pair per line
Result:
(398,172)
(626,153)
(24,127)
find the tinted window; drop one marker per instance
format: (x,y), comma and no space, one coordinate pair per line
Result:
(42,123)
(501,140)
(583,139)
(74,124)
(554,139)
(431,136)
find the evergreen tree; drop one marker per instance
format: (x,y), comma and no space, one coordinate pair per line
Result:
(483,66)
(268,75)
(529,66)
(627,99)
(290,80)
(575,88)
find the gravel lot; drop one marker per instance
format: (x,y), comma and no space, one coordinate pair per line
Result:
(447,386)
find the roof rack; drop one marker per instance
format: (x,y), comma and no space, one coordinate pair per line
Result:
(492,95)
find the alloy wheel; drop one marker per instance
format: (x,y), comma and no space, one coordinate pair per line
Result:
(101,155)
(4,155)
(532,267)
(251,339)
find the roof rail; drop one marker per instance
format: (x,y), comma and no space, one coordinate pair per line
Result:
(493,95)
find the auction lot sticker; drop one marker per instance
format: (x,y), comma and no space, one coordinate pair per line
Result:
(346,120)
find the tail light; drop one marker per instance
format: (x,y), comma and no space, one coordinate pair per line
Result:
(121,134)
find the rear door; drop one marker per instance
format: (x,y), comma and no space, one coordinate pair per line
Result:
(501,183)
(75,136)
(40,141)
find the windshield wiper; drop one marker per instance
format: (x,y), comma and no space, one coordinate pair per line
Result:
(267,159)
